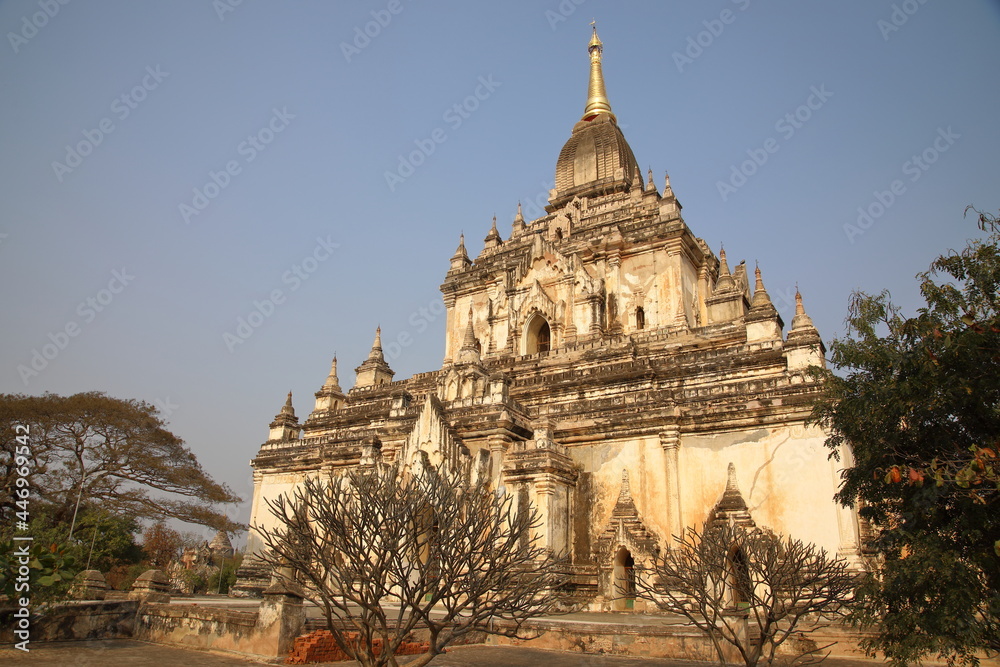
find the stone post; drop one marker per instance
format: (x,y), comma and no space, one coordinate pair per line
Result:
(281,617)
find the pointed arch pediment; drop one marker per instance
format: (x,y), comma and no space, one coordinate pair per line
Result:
(625,528)
(731,508)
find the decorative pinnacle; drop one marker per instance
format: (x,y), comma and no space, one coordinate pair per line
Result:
(761,302)
(725,280)
(287,408)
(332,381)
(801,319)
(461,257)
(470,335)
(376,353)
(597,96)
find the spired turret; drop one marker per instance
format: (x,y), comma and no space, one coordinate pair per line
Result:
(803,347)
(374,371)
(492,240)
(763,321)
(285,425)
(330,396)
(727,301)
(460,260)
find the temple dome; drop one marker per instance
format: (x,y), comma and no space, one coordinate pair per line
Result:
(596,160)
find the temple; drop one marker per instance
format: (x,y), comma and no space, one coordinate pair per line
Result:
(603,363)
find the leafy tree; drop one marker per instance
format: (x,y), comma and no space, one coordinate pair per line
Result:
(107,452)
(227,573)
(50,571)
(729,575)
(161,544)
(382,552)
(101,540)
(919,407)
(105,540)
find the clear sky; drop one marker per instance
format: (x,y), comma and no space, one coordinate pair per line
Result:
(169,168)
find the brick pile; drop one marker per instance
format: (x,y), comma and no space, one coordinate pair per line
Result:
(320,646)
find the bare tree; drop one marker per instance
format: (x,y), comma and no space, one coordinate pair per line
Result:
(384,552)
(750,588)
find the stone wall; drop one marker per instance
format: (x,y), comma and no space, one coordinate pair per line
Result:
(69,621)
(647,639)
(269,631)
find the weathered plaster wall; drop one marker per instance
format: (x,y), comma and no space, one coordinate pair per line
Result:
(783,473)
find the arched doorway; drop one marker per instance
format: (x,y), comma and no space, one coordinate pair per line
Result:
(739,579)
(538,335)
(623,580)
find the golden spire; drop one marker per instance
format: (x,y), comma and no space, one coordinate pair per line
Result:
(597,97)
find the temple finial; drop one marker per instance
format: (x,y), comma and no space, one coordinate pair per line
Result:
(332,381)
(801,319)
(376,353)
(460,260)
(725,280)
(597,96)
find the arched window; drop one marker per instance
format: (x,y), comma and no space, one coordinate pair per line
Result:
(640,318)
(538,336)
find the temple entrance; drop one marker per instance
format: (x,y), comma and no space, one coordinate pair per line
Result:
(623,580)
(739,579)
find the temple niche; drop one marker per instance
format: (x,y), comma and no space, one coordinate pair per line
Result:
(603,364)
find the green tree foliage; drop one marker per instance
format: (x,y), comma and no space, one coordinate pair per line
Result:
(100,540)
(107,452)
(227,572)
(920,409)
(41,573)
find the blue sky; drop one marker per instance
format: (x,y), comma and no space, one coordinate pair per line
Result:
(171,168)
